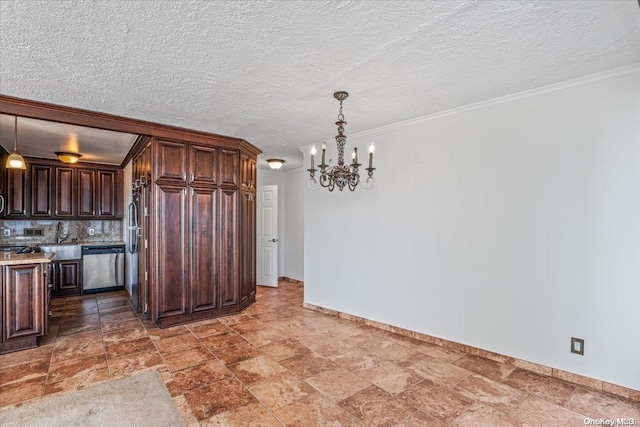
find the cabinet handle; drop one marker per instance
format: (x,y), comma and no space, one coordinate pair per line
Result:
(2,204)
(192,176)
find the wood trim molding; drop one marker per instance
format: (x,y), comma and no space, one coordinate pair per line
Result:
(599,385)
(76,116)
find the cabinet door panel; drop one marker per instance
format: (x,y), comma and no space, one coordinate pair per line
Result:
(248,246)
(69,275)
(24,301)
(204,262)
(171,161)
(247,173)
(203,165)
(64,184)
(86,193)
(17,200)
(229,168)
(171,249)
(41,186)
(107,189)
(228,247)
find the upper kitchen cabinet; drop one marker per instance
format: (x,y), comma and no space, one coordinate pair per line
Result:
(109,190)
(248,173)
(64,184)
(203,162)
(49,190)
(229,168)
(86,193)
(41,194)
(170,161)
(184,163)
(16,194)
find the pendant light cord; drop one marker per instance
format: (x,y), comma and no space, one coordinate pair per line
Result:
(15,135)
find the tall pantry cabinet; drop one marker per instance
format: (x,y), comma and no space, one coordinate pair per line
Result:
(202,226)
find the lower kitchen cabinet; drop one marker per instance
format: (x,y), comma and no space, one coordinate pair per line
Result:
(24,306)
(66,278)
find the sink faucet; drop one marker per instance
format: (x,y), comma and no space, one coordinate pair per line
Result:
(59,232)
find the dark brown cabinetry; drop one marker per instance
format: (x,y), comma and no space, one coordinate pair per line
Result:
(47,189)
(109,190)
(247,247)
(16,194)
(196,262)
(170,251)
(64,194)
(229,247)
(248,172)
(204,276)
(86,193)
(66,278)
(41,194)
(24,312)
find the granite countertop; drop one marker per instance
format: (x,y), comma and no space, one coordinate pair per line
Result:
(101,243)
(12,258)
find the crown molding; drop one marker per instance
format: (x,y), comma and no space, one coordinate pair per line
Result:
(550,90)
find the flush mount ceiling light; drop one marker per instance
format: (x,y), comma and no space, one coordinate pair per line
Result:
(68,157)
(15,160)
(340,175)
(275,163)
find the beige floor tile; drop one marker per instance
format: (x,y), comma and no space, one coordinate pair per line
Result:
(599,405)
(538,412)
(337,384)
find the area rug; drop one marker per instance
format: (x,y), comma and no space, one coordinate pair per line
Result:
(141,400)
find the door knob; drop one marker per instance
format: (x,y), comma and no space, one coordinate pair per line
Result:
(274,240)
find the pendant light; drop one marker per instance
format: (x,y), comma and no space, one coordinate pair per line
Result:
(15,160)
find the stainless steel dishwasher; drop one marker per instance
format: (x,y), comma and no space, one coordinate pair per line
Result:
(102,268)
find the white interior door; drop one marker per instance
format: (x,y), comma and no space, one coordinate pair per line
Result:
(267,241)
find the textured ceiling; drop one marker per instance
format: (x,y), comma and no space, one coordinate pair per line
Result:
(266,71)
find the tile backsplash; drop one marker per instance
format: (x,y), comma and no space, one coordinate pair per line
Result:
(76,230)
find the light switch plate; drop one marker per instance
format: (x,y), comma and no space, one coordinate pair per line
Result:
(6,232)
(577,346)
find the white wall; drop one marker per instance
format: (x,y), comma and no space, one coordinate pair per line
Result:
(295,184)
(510,227)
(291,186)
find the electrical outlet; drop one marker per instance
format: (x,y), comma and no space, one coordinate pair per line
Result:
(577,346)
(91,232)
(6,232)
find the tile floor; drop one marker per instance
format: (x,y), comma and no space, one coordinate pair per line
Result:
(278,364)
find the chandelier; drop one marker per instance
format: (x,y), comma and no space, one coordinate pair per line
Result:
(341,175)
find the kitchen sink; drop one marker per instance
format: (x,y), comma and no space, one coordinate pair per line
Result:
(63,252)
